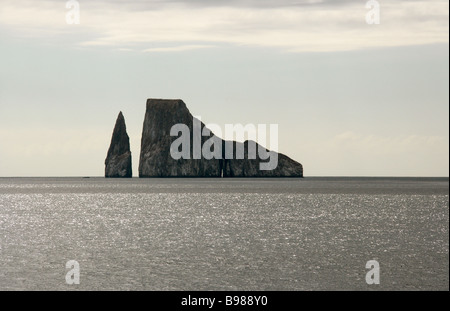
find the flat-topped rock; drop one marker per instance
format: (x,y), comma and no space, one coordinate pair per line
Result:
(156,159)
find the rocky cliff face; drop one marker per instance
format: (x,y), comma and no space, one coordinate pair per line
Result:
(156,159)
(118,160)
(286,167)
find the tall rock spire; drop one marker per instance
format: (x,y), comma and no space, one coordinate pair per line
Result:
(118,160)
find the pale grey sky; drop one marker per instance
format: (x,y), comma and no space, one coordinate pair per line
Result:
(351,99)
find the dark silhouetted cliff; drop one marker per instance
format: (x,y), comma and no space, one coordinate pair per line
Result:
(156,159)
(118,160)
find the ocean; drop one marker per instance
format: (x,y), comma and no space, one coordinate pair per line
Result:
(224,234)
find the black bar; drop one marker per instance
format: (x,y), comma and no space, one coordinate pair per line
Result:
(239,300)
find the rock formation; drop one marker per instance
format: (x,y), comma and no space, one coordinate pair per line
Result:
(286,167)
(118,160)
(156,159)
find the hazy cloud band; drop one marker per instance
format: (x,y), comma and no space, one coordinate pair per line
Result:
(294,26)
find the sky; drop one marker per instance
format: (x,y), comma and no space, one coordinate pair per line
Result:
(350,98)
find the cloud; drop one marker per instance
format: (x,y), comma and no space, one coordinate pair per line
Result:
(50,142)
(350,153)
(259,3)
(51,152)
(294,26)
(392,145)
(47,151)
(178,48)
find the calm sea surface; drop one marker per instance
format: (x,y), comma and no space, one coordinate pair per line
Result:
(224,234)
